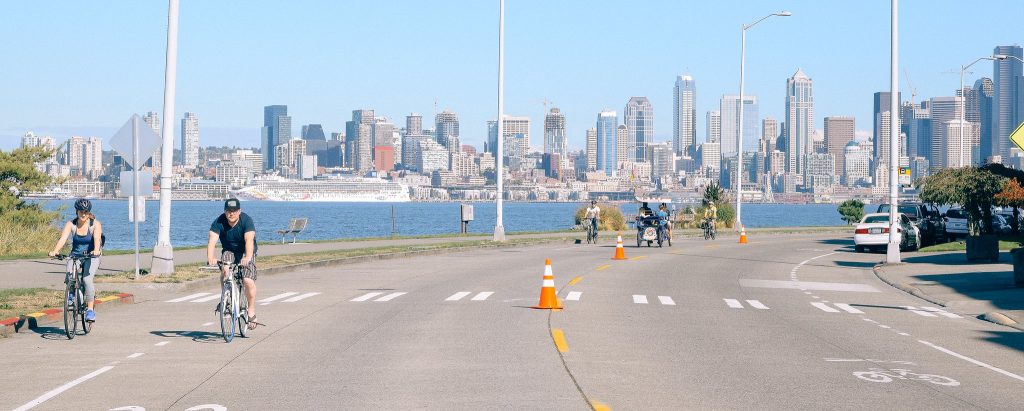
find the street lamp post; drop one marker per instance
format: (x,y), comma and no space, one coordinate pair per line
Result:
(499,228)
(963,97)
(739,128)
(163,252)
(892,251)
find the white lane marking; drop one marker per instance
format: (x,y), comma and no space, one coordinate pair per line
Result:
(482,296)
(816,297)
(732,303)
(808,292)
(905,334)
(55,392)
(162,343)
(870,320)
(129,408)
(269,300)
(389,297)
(666,300)
(188,297)
(137,355)
(973,361)
(941,312)
(809,285)
(884,326)
(825,308)
(848,308)
(573,296)
(207,324)
(299,297)
(639,299)
(757,304)
(458,296)
(207,299)
(212,407)
(919,312)
(366,296)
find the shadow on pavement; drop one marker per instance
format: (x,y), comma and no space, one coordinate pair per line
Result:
(837,241)
(52,333)
(856,264)
(952,273)
(953,258)
(1014,340)
(197,336)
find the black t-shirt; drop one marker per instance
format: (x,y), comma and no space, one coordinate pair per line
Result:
(233,238)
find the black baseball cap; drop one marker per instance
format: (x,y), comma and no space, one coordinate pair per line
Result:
(232,204)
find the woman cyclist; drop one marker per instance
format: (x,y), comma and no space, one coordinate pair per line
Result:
(86,234)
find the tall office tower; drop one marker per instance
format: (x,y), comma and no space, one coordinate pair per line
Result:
(607,141)
(554,133)
(979,110)
(912,114)
(958,141)
(800,120)
(639,121)
(411,150)
(446,128)
(591,149)
(414,124)
(776,162)
(277,129)
(730,119)
(359,140)
(625,145)
(1007,97)
(84,156)
(313,132)
(190,140)
(881,133)
(769,131)
(714,127)
(684,117)
(516,136)
(152,119)
(383,132)
(662,160)
(711,156)
(941,110)
(839,131)
(856,165)
(819,171)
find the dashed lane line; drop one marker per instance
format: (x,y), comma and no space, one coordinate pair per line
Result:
(457,296)
(573,296)
(188,297)
(389,297)
(300,297)
(137,355)
(972,361)
(732,303)
(366,296)
(55,392)
(666,300)
(639,299)
(269,300)
(482,296)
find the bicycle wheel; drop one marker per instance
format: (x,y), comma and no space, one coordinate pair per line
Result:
(714,233)
(228,312)
(82,307)
(71,310)
(243,313)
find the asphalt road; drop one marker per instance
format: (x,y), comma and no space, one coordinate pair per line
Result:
(784,322)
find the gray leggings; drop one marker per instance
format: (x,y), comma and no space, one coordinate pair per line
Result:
(90,267)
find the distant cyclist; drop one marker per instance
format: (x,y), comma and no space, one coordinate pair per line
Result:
(711,215)
(593,215)
(237,234)
(86,235)
(664,219)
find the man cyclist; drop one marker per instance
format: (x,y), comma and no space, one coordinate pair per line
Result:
(711,215)
(86,234)
(237,234)
(663,219)
(593,215)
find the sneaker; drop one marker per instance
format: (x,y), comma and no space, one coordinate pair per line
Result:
(90,315)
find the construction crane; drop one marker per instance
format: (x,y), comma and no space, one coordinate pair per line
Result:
(913,91)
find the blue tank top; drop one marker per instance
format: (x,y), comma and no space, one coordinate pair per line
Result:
(81,244)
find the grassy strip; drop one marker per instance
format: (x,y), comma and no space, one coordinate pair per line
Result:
(19,301)
(191,272)
(1004,245)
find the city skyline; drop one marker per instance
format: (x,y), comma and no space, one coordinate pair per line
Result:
(93,99)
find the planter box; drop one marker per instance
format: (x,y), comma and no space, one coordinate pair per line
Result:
(1018,266)
(983,247)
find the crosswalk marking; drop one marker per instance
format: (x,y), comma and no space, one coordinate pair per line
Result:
(573,296)
(732,303)
(639,299)
(919,312)
(825,308)
(188,297)
(757,304)
(458,296)
(941,312)
(299,297)
(848,308)
(367,296)
(666,300)
(269,300)
(482,296)
(389,297)
(205,299)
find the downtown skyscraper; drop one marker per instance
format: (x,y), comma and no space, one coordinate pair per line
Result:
(799,121)
(554,133)
(190,140)
(684,116)
(730,119)
(607,142)
(639,119)
(359,140)
(1007,97)
(277,129)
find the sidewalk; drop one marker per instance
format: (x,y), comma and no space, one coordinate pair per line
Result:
(947,279)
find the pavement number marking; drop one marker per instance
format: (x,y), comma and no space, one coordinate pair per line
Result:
(56,391)
(559,337)
(887,376)
(573,296)
(973,361)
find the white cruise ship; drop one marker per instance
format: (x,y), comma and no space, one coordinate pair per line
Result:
(342,189)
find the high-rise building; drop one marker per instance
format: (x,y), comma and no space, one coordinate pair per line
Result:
(918,130)
(856,165)
(625,146)
(1007,97)
(639,122)
(819,171)
(414,124)
(684,116)
(607,142)
(730,106)
(979,110)
(554,133)
(941,110)
(714,127)
(958,140)
(359,140)
(711,156)
(516,136)
(769,132)
(662,160)
(882,133)
(277,129)
(591,149)
(152,119)
(190,140)
(313,132)
(446,128)
(839,131)
(84,156)
(799,120)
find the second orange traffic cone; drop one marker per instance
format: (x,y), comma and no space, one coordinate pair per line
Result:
(548,296)
(620,253)
(743,234)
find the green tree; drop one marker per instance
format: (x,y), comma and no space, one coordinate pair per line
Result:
(25,227)
(726,215)
(713,194)
(852,211)
(972,188)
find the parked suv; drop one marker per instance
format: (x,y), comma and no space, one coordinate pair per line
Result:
(925,217)
(956,223)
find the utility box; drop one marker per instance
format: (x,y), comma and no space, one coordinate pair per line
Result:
(466,211)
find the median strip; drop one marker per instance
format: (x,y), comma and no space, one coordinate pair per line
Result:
(559,337)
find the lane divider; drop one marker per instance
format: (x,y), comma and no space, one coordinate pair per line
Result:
(559,337)
(639,257)
(603,267)
(576,280)
(56,391)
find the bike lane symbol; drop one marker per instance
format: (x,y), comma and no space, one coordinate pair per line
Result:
(887,376)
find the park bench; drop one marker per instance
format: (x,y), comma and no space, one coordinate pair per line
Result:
(295,226)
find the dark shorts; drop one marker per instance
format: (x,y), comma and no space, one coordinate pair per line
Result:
(248,271)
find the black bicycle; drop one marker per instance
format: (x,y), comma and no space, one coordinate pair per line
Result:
(709,229)
(233,307)
(74,296)
(591,232)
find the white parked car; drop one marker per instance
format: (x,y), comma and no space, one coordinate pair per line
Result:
(956,223)
(873,232)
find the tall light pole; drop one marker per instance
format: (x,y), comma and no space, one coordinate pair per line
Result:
(499,228)
(163,253)
(963,97)
(892,252)
(739,128)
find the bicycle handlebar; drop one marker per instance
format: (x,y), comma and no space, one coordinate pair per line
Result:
(63,257)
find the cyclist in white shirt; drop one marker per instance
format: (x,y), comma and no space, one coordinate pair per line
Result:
(593,214)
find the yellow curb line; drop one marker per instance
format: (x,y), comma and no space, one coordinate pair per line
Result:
(108,298)
(575,280)
(559,337)
(603,267)
(639,257)
(35,315)
(599,406)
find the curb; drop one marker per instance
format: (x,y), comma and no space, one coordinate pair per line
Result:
(34,320)
(994,317)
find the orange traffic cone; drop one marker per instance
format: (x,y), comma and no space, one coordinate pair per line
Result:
(620,253)
(743,234)
(548,296)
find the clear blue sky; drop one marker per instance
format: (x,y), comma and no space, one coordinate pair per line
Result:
(83,67)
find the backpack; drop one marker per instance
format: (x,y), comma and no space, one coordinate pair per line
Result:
(103,237)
